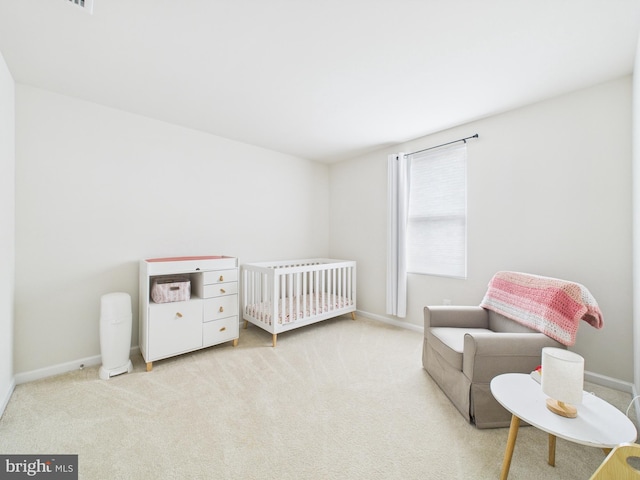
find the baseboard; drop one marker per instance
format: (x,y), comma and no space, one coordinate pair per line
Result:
(609,382)
(391,321)
(7,396)
(63,368)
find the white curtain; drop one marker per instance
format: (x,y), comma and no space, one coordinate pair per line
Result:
(398,207)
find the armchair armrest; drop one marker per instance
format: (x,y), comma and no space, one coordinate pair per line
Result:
(455,316)
(487,355)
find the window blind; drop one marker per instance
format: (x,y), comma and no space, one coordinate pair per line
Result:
(437,218)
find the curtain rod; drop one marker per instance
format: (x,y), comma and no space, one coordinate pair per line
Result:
(443,144)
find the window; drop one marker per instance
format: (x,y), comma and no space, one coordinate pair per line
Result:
(437,218)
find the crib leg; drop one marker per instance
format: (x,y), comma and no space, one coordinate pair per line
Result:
(274,339)
(353,315)
(246,324)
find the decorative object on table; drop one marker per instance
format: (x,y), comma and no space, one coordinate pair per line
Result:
(549,305)
(537,374)
(562,380)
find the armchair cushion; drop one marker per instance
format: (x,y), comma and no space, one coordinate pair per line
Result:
(449,342)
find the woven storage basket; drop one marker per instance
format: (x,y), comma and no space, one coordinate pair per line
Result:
(170,289)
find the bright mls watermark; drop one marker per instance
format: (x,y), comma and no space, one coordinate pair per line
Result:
(50,467)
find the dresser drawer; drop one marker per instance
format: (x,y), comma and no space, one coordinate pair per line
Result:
(220,307)
(218,331)
(219,289)
(174,328)
(220,276)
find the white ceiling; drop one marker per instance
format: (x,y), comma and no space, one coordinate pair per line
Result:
(319,79)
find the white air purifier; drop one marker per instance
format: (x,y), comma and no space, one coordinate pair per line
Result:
(115,334)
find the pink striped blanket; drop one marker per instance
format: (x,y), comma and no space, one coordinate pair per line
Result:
(548,305)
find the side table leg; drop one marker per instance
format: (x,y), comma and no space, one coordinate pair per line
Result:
(511,443)
(552,450)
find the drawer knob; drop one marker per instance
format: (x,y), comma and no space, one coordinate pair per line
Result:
(221,309)
(178,314)
(222,290)
(223,329)
(221,279)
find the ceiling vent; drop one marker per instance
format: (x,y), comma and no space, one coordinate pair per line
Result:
(86,5)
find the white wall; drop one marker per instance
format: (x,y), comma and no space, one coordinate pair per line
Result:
(98,189)
(549,192)
(7,230)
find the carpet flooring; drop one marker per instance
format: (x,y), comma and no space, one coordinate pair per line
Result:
(341,399)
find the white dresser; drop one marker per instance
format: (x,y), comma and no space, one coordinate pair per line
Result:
(209,317)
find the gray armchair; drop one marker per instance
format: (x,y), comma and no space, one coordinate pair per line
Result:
(465,347)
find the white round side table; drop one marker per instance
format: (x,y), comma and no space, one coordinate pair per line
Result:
(598,424)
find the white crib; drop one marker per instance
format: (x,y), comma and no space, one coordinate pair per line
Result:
(282,296)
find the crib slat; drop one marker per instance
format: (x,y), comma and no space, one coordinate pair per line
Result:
(263,293)
(318,289)
(323,289)
(296,276)
(289,278)
(275,297)
(333,289)
(340,281)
